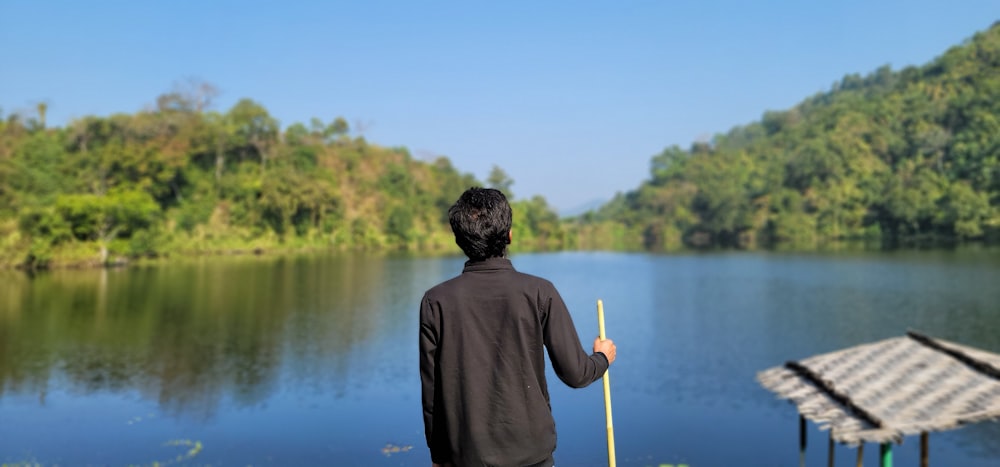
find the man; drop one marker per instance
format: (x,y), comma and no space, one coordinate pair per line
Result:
(485,399)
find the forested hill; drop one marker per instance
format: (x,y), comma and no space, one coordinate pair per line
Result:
(179,179)
(894,155)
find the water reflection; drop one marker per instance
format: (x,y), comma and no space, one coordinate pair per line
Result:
(188,335)
(235,351)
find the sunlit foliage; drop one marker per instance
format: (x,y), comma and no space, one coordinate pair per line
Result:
(182,179)
(895,156)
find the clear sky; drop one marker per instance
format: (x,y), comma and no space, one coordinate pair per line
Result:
(570,98)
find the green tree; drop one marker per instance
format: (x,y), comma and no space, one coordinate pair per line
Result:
(101,218)
(255,131)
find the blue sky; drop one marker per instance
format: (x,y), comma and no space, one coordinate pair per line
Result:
(572,99)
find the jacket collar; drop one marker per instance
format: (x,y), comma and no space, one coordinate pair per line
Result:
(488,264)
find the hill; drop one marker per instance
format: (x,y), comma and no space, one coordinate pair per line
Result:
(894,156)
(181,180)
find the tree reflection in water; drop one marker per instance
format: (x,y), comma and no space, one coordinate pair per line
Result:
(189,335)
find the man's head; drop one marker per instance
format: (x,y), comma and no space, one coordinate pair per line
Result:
(481,220)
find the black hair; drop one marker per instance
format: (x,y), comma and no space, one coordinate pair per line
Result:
(481,220)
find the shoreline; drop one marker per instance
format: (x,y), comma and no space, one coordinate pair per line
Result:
(120,261)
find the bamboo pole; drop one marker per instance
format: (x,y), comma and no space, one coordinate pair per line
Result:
(607,392)
(861,454)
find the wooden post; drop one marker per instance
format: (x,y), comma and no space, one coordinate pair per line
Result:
(802,441)
(924,450)
(886,454)
(861,454)
(607,392)
(830,447)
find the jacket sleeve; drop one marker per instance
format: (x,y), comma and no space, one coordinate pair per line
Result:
(429,333)
(569,360)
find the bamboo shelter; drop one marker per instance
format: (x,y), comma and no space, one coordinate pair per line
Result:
(883,391)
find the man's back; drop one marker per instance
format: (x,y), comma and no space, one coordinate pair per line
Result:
(482,371)
(482,368)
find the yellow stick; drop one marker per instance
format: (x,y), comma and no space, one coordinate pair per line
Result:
(607,393)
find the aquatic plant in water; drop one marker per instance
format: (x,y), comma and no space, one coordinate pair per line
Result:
(391,449)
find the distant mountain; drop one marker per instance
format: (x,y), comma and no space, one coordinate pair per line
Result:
(903,155)
(592,205)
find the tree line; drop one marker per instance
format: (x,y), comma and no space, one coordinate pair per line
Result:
(183,179)
(892,157)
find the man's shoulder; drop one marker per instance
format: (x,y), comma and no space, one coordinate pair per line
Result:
(525,282)
(539,281)
(514,279)
(443,287)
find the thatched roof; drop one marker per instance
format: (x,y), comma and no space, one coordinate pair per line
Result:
(882,391)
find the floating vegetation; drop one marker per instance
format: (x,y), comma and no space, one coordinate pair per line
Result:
(391,449)
(194,448)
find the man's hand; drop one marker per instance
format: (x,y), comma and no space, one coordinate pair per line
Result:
(606,347)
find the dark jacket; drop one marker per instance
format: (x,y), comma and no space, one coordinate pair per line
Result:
(485,399)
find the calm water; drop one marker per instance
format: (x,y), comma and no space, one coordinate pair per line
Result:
(312,360)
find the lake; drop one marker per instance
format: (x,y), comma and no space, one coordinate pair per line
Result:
(312,360)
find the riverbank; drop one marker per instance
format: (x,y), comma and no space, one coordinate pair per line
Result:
(88,255)
(18,253)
